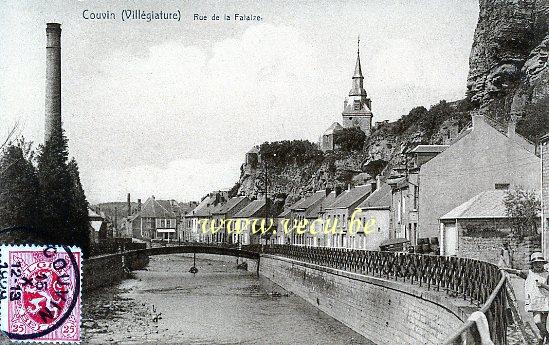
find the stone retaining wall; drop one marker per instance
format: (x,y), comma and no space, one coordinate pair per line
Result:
(108,269)
(384,311)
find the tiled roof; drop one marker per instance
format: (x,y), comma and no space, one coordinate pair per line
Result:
(379,199)
(170,205)
(349,197)
(501,127)
(201,209)
(229,205)
(461,134)
(204,211)
(486,205)
(285,213)
(314,212)
(154,209)
(308,201)
(333,128)
(252,209)
(186,207)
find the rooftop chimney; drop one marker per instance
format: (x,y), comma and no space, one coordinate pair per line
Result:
(373,186)
(138,205)
(53,81)
(477,118)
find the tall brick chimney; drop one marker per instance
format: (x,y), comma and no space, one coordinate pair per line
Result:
(53,81)
(129,205)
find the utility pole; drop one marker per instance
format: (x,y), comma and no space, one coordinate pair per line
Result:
(266,195)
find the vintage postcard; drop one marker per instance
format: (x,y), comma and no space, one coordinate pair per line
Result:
(274,172)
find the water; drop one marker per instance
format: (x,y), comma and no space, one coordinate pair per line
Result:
(219,305)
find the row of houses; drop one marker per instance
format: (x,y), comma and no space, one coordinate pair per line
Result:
(443,193)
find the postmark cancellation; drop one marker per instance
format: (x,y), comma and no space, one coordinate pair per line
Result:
(40,293)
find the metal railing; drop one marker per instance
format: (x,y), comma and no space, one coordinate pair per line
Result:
(495,309)
(479,282)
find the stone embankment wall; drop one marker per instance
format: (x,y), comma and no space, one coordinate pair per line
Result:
(384,311)
(108,269)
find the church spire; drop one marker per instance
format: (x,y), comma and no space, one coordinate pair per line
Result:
(358,79)
(358,69)
(357,111)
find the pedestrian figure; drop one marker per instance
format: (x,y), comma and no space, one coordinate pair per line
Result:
(505,256)
(536,292)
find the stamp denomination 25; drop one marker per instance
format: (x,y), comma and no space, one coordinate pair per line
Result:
(40,293)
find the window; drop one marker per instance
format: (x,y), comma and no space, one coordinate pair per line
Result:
(356,105)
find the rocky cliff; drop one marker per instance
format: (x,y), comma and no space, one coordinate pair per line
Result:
(292,176)
(508,74)
(508,61)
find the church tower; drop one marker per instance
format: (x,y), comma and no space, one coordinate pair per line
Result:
(357,109)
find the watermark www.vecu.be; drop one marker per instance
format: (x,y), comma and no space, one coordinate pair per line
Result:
(300,226)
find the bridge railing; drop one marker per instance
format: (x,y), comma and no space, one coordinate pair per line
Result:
(479,282)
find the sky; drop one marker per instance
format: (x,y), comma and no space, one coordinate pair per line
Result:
(169,108)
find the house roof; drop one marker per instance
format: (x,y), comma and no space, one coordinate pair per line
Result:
(308,201)
(203,208)
(486,205)
(379,199)
(204,211)
(314,212)
(93,214)
(429,148)
(186,207)
(251,210)
(170,205)
(156,209)
(333,128)
(285,213)
(351,196)
(229,205)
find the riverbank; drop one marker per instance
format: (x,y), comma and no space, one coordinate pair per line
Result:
(218,305)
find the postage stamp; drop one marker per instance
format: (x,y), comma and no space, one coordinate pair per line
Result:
(40,293)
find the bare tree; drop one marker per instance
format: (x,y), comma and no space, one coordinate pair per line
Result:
(13,133)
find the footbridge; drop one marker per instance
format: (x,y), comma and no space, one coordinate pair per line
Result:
(245,252)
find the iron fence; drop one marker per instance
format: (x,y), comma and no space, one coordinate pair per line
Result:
(479,282)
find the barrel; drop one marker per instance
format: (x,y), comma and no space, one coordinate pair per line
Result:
(426,247)
(419,249)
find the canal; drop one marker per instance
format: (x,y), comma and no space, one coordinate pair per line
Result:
(165,304)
